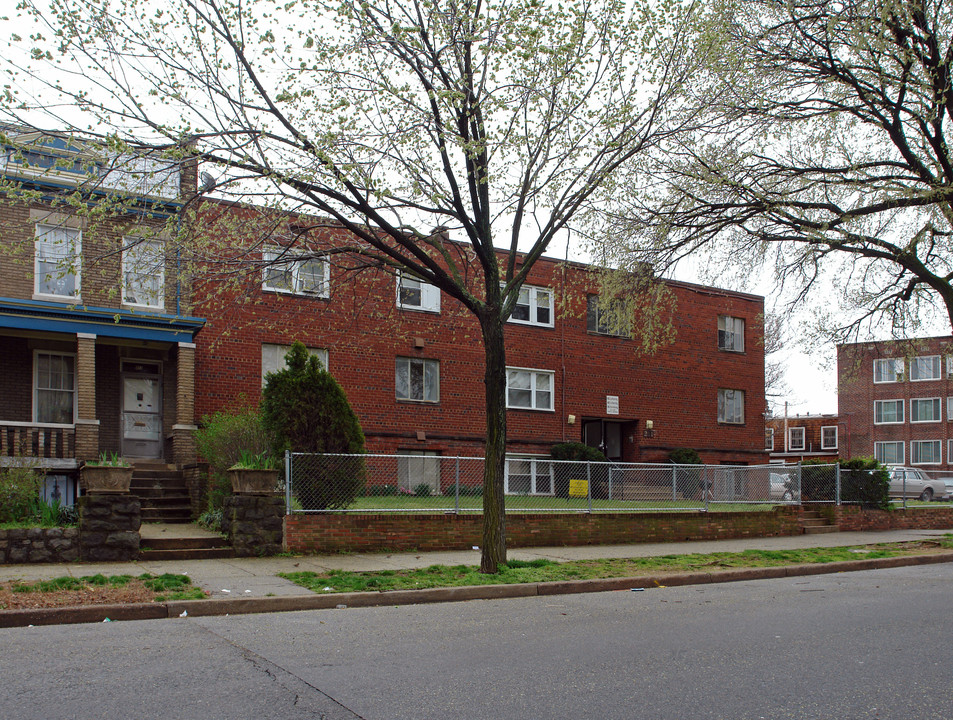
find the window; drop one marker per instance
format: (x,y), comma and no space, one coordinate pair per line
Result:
(925,410)
(889,453)
(415,294)
(796,438)
(286,272)
(888,370)
(143,273)
(57,268)
(925,452)
(273,358)
(925,368)
(949,408)
(606,316)
(530,389)
(418,379)
(769,438)
(416,468)
(534,306)
(888,412)
(731,333)
(829,437)
(528,476)
(54,383)
(731,406)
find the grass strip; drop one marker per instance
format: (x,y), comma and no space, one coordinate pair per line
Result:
(175,584)
(541,570)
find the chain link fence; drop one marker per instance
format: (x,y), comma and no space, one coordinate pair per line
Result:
(427,483)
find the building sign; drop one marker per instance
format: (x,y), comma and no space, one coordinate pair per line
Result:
(612,404)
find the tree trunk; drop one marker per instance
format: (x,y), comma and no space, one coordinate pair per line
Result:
(493,551)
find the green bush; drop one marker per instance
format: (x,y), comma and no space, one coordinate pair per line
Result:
(20,486)
(563,472)
(688,482)
(576,451)
(305,410)
(865,481)
(221,439)
(423,490)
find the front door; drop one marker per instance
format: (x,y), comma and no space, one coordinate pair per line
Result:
(606,435)
(141,409)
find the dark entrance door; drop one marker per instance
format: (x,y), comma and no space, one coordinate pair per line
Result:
(606,435)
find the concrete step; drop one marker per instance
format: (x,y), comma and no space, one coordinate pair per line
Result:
(820,529)
(175,514)
(185,543)
(187,554)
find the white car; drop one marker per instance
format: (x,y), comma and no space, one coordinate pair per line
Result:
(914,483)
(783,487)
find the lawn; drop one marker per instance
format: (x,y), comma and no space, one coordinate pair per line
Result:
(539,503)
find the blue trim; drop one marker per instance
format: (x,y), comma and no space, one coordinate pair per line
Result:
(105,322)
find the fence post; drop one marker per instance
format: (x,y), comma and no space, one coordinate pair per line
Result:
(457,489)
(589,483)
(287,482)
(610,483)
(674,482)
(837,483)
(800,484)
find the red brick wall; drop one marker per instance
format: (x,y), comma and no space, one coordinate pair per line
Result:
(857,392)
(363,330)
(851,517)
(361,533)
(812,425)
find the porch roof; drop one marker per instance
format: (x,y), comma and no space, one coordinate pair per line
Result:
(100,321)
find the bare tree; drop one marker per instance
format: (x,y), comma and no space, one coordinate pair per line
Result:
(826,159)
(497,120)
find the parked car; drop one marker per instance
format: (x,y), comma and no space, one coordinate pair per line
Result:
(783,487)
(914,483)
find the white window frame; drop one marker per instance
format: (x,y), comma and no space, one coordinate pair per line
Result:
(825,445)
(429,294)
(290,263)
(429,371)
(897,403)
(593,312)
(888,370)
(731,339)
(792,433)
(949,408)
(917,362)
(769,439)
(532,295)
(723,409)
(37,388)
(535,392)
(917,402)
(273,357)
(897,445)
(915,446)
(536,462)
(143,259)
(44,242)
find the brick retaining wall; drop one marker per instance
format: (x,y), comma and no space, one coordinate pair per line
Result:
(363,533)
(851,517)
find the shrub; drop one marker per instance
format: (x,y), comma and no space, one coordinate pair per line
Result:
(687,480)
(422,490)
(221,439)
(564,472)
(305,410)
(865,481)
(380,490)
(20,486)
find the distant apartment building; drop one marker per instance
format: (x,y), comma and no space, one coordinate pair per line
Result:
(795,438)
(895,401)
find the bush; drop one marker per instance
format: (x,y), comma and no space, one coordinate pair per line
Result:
(576,451)
(20,486)
(423,490)
(598,476)
(865,481)
(221,440)
(687,480)
(305,410)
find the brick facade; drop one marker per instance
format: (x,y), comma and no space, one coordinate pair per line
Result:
(656,402)
(860,398)
(804,437)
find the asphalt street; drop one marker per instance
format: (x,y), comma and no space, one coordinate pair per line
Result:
(872,644)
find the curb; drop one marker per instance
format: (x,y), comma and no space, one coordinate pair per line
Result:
(244,606)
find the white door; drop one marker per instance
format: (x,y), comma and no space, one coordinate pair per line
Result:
(141,411)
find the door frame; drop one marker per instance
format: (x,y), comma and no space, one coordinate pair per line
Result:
(157,376)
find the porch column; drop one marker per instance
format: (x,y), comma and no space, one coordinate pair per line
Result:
(183,443)
(87,425)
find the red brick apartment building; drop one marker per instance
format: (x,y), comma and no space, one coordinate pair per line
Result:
(411,359)
(101,349)
(795,438)
(895,401)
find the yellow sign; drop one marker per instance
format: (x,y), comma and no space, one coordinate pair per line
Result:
(578,488)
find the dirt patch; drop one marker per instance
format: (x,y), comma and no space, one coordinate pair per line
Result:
(134,591)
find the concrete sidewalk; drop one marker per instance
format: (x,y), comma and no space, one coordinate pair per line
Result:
(257,577)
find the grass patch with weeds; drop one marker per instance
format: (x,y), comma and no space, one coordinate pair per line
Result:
(98,589)
(534,571)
